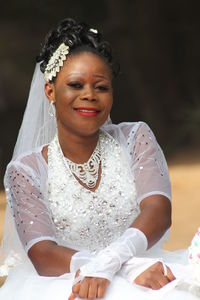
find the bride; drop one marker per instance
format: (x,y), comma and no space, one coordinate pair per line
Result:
(88,202)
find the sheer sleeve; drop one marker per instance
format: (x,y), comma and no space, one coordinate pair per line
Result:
(27,202)
(148,163)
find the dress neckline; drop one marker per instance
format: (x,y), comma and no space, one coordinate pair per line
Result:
(105,137)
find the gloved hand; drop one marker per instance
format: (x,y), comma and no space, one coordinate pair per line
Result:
(109,260)
(135,266)
(79,259)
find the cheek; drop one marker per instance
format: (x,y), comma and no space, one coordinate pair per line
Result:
(109,102)
(69,94)
(65,95)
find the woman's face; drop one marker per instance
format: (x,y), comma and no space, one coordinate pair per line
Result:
(82,94)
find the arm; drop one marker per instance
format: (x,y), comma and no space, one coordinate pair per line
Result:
(155,217)
(153,193)
(33,221)
(49,259)
(158,209)
(153,186)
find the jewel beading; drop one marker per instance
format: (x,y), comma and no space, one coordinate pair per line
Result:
(56,62)
(87,172)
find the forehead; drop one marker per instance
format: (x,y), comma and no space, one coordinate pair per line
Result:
(84,63)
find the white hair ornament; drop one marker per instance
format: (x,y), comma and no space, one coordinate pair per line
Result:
(93,30)
(56,62)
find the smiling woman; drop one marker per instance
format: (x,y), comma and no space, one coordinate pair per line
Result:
(82,90)
(81,192)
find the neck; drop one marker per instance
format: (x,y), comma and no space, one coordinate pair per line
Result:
(77,148)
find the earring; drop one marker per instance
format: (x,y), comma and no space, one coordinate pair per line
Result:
(51,109)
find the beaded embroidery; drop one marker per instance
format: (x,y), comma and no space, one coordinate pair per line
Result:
(86,219)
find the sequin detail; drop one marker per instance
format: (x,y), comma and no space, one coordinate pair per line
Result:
(86,219)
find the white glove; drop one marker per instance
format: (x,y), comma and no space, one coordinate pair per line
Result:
(135,266)
(109,260)
(79,259)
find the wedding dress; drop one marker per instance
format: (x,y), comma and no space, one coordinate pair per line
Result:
(48,203)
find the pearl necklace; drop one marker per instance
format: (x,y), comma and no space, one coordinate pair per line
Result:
(87,172)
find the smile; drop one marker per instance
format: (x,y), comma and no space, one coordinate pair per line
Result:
(88,112)
(85,110)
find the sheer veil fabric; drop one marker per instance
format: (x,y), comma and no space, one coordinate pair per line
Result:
(37,128)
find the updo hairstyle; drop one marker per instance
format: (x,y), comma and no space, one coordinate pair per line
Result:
(80,37)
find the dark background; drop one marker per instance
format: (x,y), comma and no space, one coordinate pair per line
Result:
(156,42)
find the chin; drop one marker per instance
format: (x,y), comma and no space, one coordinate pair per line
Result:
(90,128)
(89,132)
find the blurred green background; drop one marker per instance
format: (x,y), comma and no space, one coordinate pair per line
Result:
(156,42)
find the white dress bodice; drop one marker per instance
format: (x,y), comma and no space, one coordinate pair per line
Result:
(85,219)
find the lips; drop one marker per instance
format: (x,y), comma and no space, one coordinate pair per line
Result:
(87,111)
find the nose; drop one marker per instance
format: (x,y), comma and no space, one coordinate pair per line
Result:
(88,94)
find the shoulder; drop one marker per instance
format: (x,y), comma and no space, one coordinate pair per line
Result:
(27,163)
(128,130)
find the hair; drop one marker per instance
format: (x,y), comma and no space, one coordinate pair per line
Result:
(80,38)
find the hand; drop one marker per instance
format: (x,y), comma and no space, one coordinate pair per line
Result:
(89,288)
(154,277)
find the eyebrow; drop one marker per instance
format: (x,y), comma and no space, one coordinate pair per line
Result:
(83,74)
(100,76)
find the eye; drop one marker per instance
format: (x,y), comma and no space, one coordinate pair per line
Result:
(102,88)
(75,85)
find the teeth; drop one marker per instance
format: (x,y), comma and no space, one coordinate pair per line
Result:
(85,110)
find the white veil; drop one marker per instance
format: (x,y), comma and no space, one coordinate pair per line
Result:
(38,127)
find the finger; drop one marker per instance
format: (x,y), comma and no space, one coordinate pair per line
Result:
(170,275)
(77,273)
(151,280)
(153,284)
(76,288)
(167,272)
(84,287)
(93,288)
(72,297)
(160,277)
(163,280)
(102,287)
(160,273)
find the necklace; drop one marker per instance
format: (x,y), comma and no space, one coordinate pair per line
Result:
(87,172)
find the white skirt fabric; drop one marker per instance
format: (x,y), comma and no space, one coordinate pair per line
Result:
(24,283)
